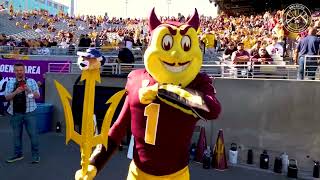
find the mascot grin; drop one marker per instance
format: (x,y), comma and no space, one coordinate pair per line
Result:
(174,55)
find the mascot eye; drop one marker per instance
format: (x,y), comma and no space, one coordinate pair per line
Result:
(186,43)
(167,42)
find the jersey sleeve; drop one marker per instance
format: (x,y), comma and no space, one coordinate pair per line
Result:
(208,91)
(119,128)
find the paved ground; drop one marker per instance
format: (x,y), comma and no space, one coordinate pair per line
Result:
(59,161)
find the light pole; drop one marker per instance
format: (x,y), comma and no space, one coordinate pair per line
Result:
(26,5)
(72,8)
(126,1)
(169,3)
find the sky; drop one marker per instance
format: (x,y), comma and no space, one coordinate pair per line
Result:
(141,8)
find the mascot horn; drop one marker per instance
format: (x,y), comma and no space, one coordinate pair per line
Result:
(154,22)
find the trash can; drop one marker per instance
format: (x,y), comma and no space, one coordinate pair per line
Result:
(44,114)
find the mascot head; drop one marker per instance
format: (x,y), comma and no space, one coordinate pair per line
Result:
(90,59)
(174,55)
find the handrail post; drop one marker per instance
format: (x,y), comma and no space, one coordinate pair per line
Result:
(304,67)
(222,69)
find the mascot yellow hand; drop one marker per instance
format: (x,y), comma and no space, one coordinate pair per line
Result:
(196,99)
(191,98)
(148,94)
(92,171)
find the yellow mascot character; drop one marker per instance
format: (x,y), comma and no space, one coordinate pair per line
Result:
(163,103)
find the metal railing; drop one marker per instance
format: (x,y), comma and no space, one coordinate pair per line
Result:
(223,71)
(277,70)
(59,67)
(58,53)
(310,67)
(61,51)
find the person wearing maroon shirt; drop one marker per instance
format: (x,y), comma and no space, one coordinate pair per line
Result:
(163,104)
(240,56)
(229,50)
(262,57)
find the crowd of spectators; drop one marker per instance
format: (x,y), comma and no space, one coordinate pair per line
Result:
(223,33)
(82,31)
(254,33)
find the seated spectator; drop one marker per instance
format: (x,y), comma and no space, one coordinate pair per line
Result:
(87,41)
(64,44)
(38,30)
(228,51)
(71,49)
(52,43)
(35,26)
(69,35)
(240,56)
(275,48)
(81,28)
(317,27)
(23,46)
(262,57)
(26,26)
(125,56)
(2,7)
(11,10)
(248,42)
(128,41)
(52,29)
(82,41)
(106,45)
(317,24)
(138,42)
(255,49)
(278,31)
(3,40)
(11,41)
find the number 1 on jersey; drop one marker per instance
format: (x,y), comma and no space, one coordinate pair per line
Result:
(152,113)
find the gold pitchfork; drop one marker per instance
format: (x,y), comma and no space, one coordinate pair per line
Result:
(87,140)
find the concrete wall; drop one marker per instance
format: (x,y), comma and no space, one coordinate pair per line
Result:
(276,115)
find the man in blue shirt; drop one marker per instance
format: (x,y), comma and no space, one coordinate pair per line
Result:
(307,46)
(22,92)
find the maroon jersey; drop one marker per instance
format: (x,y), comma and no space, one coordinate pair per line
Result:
(174,130)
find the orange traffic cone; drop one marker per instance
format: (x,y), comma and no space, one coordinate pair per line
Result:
(219,160)
(201,146)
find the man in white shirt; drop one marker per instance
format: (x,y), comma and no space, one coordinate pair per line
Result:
(38,30)
(128,41)
(275,48)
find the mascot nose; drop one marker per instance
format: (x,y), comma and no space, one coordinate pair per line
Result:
(175,54)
